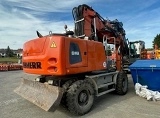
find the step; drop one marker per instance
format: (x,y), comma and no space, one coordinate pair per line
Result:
(105,92)
(105,85)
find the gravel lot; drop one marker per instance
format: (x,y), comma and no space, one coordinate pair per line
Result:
(106,106)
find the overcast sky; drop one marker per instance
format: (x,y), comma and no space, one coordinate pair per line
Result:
(19,19)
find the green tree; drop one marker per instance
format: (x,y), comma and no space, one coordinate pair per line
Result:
(156,41)
(9,52)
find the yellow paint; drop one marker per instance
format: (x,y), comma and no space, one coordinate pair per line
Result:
(53,45)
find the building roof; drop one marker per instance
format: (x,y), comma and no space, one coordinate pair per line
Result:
(15,51)
(2,50)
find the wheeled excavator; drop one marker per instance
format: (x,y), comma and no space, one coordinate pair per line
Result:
(73,67)
(136,51)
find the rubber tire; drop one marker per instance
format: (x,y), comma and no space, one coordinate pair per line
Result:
(120,88)
(73,96)
(65,86)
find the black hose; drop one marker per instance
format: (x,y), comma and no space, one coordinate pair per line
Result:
(77,13)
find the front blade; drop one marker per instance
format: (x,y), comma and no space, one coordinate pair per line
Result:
(43,95)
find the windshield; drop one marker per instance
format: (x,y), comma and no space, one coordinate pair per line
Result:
(132,49)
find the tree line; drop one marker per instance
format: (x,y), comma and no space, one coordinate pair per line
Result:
(156,41)
(9,52)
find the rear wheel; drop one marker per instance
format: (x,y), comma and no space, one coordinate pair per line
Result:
(122,83)
(80,97)
(65,87)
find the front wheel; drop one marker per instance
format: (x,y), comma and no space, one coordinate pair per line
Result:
(122,83)
(80,97)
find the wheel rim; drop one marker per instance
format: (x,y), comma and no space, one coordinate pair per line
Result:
(83,97)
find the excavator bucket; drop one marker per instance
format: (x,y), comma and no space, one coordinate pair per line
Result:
(43,95)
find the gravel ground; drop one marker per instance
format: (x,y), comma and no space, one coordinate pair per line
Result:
(106,106)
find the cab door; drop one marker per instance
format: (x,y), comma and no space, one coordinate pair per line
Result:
(76,52)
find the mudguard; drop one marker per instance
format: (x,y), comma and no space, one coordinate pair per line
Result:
(46,96)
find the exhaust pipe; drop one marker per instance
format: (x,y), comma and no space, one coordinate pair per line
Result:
(39,35)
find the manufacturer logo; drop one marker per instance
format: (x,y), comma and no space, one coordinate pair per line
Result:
(32,65)
(75,53)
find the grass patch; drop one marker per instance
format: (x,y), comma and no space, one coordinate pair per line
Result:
(8,59)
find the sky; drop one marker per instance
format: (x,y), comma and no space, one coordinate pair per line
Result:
(20,19)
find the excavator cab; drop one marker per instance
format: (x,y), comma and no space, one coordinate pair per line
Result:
(137,50)
(133,50)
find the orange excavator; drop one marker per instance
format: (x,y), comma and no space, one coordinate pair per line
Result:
(73,67)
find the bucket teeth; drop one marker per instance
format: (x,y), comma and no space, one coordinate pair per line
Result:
(43,95)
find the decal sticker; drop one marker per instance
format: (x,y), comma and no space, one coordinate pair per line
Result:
(104,64)
(53,45)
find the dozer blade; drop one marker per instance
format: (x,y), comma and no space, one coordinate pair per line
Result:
(43,95)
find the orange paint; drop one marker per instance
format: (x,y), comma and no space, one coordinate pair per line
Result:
(55,61)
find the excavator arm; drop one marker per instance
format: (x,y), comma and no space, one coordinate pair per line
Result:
(88,23)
